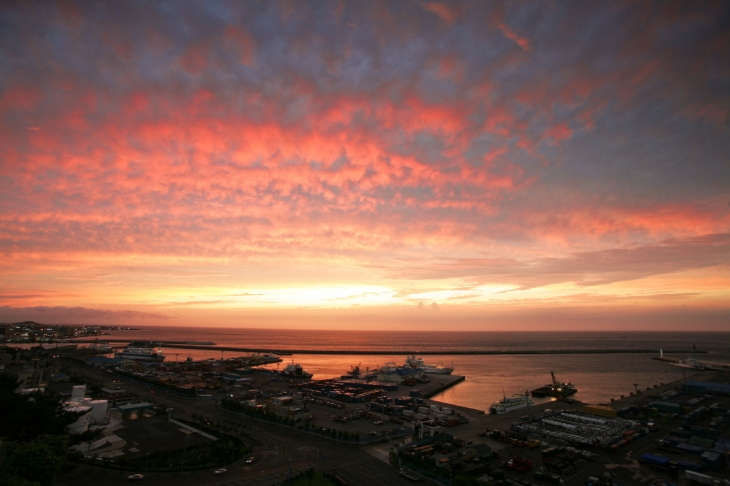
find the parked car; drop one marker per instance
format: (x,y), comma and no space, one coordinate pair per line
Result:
(220,471)
(135,477)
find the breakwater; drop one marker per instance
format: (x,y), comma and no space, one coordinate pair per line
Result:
(425,352)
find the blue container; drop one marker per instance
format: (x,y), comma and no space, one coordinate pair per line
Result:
(654,460)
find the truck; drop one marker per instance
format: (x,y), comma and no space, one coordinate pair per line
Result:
(395,419)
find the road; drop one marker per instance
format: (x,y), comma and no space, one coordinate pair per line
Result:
(276,449)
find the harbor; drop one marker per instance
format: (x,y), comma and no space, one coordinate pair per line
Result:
(403,403)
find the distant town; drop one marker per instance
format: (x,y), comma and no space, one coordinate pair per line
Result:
(33,332)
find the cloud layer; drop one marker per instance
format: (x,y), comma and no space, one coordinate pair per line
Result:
(273,146)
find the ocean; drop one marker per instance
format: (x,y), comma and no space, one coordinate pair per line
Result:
(598,377)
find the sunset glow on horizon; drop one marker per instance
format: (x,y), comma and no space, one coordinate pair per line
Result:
(366,165)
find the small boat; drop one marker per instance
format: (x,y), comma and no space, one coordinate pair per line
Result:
(507,404)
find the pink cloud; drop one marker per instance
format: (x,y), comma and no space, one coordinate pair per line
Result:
(446,12)
(523,42)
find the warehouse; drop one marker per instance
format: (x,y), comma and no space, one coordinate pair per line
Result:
(707,387)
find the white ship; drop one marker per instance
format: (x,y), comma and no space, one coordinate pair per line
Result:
(141,354)
(414,362)
(507,404)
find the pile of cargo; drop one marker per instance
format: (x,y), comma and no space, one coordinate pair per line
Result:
(584,429)
(415,409)
(349,391)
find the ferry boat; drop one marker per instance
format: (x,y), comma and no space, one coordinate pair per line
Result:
(141,354)
(414,362)
(507,404)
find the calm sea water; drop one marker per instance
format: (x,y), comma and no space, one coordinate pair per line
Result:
(597,377)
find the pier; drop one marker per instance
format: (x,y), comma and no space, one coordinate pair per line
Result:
(445,384)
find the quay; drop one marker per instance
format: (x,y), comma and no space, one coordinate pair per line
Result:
(445,384)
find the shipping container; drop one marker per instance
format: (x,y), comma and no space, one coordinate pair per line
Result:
(690,449)
(667,407)
(697,478)
(600,410)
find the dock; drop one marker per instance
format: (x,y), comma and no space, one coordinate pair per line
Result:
(439,383)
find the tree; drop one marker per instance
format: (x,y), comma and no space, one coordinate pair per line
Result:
(26,417)
(38,460)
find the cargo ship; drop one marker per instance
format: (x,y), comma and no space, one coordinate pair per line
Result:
(291,370)
(295,370)
(508,404)
(555,389)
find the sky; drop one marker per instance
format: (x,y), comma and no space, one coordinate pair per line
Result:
(411,165)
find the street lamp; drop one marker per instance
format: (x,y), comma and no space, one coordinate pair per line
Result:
(146,463)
